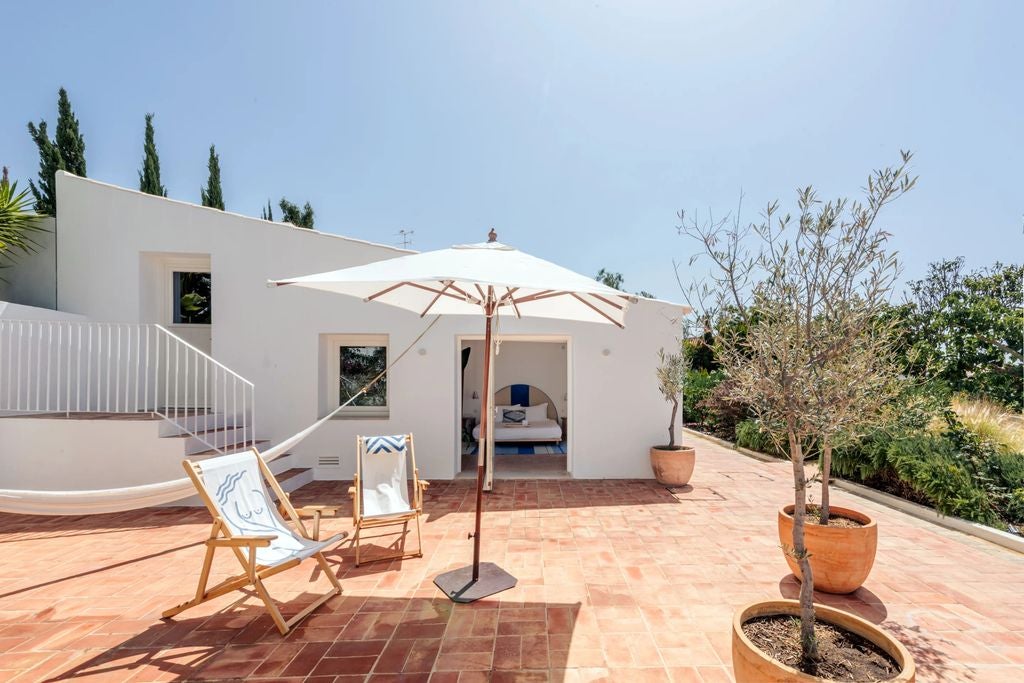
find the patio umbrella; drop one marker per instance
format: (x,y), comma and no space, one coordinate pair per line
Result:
(477,279)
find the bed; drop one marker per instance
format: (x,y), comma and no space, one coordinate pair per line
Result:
(546,429)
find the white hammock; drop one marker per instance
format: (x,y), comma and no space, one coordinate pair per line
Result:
(100,501)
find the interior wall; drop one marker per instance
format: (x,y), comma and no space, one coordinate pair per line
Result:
(537,363)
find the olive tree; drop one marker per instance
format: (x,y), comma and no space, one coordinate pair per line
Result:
(806,290)
(671,374)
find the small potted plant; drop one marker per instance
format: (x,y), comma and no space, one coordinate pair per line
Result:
(672,464)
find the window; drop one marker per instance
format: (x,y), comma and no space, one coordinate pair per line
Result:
(191,300)
(353,362)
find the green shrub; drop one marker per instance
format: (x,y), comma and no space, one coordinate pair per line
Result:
(699,383)
(865,459)
(1014,507)
(934,467)
(750,435)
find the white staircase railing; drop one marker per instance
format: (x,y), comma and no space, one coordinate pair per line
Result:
(68,367)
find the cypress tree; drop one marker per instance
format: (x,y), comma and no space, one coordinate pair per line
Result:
(212,194)
(149,176)
(69,140)
(66,152)
(291,214)
(49,163)
(267,213)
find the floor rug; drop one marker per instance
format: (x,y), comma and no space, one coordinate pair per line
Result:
(519,449)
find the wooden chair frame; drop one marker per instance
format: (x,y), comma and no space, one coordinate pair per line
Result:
(254,574)
(360,523)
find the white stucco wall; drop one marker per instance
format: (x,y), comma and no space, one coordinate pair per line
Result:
(29,279)
(271,336)
(55,455)
(12,311)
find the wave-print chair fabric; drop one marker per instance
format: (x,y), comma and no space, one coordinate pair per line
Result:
(246,519)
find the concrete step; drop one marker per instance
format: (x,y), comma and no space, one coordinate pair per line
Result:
(193,423)
(205,439)
(229,448)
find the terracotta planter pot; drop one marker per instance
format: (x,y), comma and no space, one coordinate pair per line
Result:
(672,467)
(841,558)
(751,665)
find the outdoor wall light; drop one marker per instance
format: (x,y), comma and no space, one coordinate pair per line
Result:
(606,352)
(422,351)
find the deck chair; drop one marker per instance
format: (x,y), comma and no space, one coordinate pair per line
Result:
(245,519)
(380,491)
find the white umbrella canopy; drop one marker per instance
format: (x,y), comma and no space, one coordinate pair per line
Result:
(455,281)
(486,279)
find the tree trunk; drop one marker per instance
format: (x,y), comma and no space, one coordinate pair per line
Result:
(826,473)
(672,424)
(807,640)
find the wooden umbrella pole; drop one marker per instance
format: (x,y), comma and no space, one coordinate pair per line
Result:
(485,418)
(480,579)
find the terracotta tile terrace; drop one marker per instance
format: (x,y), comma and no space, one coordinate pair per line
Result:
(618,580)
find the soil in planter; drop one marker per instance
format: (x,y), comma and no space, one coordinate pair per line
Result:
(814,517)
(843,656)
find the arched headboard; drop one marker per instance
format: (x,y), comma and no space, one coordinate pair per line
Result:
(525,395)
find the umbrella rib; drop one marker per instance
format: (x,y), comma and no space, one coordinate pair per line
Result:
(385,291)
(546,294)
(610,303)
(610,319)
(469,297)
(512,300)
(439,292)
(483,297)
(436,297)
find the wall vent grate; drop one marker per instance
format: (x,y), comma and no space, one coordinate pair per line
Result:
(329,461)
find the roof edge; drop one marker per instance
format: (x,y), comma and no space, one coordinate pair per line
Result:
(285,226)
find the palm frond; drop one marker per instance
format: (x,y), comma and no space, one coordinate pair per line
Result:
(19,225)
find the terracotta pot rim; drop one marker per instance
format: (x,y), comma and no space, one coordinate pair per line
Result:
(666,449)
(898,651)
(866,522)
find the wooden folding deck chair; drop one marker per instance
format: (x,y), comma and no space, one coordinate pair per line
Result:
(380,491)
(246,520)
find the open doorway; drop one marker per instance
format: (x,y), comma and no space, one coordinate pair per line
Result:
(531,399)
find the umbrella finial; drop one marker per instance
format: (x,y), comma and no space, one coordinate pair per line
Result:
(492,236)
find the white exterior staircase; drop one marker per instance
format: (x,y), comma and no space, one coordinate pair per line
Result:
(118,404)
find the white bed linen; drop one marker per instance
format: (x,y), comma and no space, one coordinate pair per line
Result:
(541,430)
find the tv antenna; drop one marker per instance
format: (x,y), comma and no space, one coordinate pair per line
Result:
(405,237)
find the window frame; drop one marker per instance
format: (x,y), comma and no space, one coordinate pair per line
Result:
(335,342)
(176,299)
(184,265)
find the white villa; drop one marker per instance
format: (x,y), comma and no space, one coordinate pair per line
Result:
(144,332)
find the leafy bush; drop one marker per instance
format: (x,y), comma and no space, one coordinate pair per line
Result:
(935,468)
(1015,507)
(750,435)
(699,384)
(724,411)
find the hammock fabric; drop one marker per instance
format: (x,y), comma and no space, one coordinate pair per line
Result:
(102,501)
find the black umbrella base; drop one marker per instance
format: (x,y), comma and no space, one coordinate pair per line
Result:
(459,585)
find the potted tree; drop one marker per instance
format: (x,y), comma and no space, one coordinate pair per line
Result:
(672,464)
(806,295)
(850,392)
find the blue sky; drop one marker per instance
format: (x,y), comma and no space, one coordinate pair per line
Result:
(576,129)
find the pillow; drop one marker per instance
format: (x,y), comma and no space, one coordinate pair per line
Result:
(537,413)
(513,416)
(498,409)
